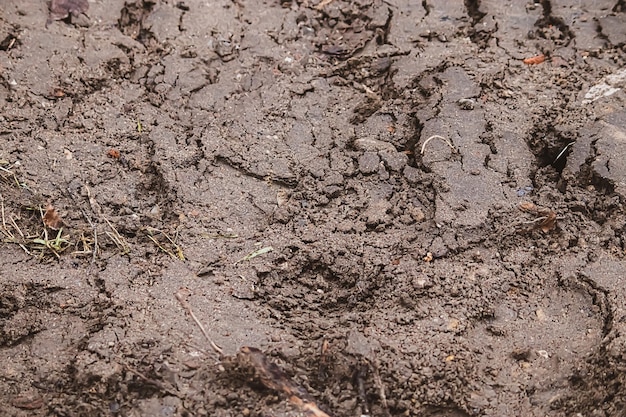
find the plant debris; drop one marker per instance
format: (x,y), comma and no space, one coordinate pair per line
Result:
(269,373)
(255,253)
(51,218)
(448,142)
(175,252)
(535,60)
(114,153)
(276,379)
(546,218)
(56,245)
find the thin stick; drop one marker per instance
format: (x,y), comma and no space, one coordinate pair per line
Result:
(187,307)
(156,383)
(537,220)
(156,242)
(437,137)
(179,252)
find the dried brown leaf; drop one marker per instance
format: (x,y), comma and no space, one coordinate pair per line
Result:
(52,219)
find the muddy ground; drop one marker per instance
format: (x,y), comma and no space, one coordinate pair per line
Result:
(269,162)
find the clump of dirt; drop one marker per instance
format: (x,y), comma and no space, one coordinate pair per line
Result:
(373,208)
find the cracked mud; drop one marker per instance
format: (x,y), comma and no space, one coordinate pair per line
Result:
(272,159)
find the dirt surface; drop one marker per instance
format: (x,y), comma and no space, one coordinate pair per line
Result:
(402,215)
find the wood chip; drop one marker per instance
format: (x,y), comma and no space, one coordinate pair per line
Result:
(535,60)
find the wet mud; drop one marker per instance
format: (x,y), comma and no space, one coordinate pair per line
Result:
(385,208)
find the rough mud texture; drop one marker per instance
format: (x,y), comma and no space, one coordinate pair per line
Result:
(176,138)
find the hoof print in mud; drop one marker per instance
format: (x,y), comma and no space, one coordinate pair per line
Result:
(408,208)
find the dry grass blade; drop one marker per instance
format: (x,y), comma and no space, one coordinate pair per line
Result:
(94,229)
(8,234)
(118,239)
(437,137)
(88,246)
(255,253)
(16,227)
(10,174)
(177,253)
(5,229)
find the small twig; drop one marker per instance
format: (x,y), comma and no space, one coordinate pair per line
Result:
(156,383)
(275,378)
(537,220)
(437,137)
(180,297)
(95,207)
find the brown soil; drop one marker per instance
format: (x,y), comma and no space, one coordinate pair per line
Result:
(176,138)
